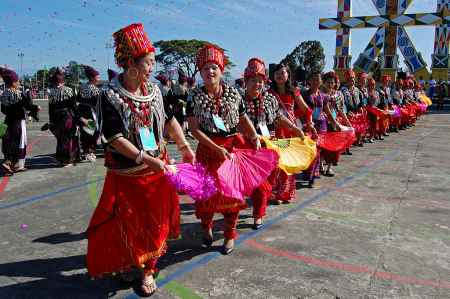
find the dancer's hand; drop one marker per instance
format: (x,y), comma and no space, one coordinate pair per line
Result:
(313,132)
(298,132)
(188,155)
(156,165)
(257,144)
(85,122)
(222,153)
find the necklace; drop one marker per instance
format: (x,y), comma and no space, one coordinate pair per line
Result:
(142,99)
(251,106)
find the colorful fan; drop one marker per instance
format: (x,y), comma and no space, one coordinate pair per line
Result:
(397,111)
(336,141)
(3,128)
(90,128)
(245,171)
(359,122)
(344,128)
(391,112)
(192,180)
(374,111)
(425,99)
(295,153)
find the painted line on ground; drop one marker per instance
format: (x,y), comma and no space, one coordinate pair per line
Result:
(388,199)
(375,225)
(5,179)
(249,235)
(47,195)
(348,267)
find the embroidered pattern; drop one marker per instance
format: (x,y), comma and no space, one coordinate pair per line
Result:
(88,91)
(10,97)
(57,94)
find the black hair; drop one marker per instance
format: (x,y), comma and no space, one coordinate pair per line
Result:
(289,87)
(314,74)
(136,60)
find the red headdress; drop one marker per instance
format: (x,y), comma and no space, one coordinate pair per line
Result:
(399,81)
(386,78)
(255,67)
(131,42)
(349,74)
(409,82)
(371,81)
(362,75)
(211,53)
(330,75)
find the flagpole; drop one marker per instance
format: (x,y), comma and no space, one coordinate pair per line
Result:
(35,70)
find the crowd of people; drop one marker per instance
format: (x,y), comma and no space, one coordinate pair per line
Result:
(138,209)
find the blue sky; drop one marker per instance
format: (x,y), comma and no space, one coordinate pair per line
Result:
(53,32)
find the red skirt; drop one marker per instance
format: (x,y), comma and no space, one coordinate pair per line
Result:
(137,212)
(219,203)
(330,156)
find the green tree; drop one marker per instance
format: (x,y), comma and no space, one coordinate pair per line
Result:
(182,54)
(309,56)
(74,69)
(375,70)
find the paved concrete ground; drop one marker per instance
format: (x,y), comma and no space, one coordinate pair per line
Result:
(378,229)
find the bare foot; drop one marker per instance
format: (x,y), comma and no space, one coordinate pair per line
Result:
(57,162)
(257,220)
(148,283)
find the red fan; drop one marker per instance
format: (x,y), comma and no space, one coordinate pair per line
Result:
(374,111)
(404,111)
(245,171)
(336,141)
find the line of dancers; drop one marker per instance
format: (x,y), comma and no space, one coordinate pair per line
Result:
(138,209)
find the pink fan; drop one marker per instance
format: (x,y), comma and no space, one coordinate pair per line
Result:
(245,171)
(192,180)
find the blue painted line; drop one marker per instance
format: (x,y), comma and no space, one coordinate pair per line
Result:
(248,235)
(56,192)
(47,195)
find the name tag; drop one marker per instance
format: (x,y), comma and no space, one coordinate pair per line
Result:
(333,112)
(365,101)
(148,139)
(284,113)
(264,129)
(316,113)
(401,101)
(373,105)
(219,122)
(391,101)
(345,109)
(386,102)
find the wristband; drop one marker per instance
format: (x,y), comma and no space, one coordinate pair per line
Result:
(256,136)
(183,145)
(291,127)
(139,157)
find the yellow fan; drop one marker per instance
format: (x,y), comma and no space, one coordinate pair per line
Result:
(426,99)
(295,153)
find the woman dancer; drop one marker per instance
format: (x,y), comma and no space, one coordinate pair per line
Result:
(63,112)
(287,96)
(87,99)
(362,81)
(317,101)
(398,96)
(336,103)
(262,110)
(373,100)
(138,210)
(213,114)
(353,99)
(384,92)
(14,142)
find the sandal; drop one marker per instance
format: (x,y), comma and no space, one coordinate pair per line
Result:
(329,173)
(129,273)
(148,286)
(20,169)
(278,201)
(6,168)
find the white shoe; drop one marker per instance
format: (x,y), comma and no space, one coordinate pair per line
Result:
(89,158)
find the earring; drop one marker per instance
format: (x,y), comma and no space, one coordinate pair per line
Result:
(128,72)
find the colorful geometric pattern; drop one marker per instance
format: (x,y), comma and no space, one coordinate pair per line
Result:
(342,62)
(390,34)
(343,36)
